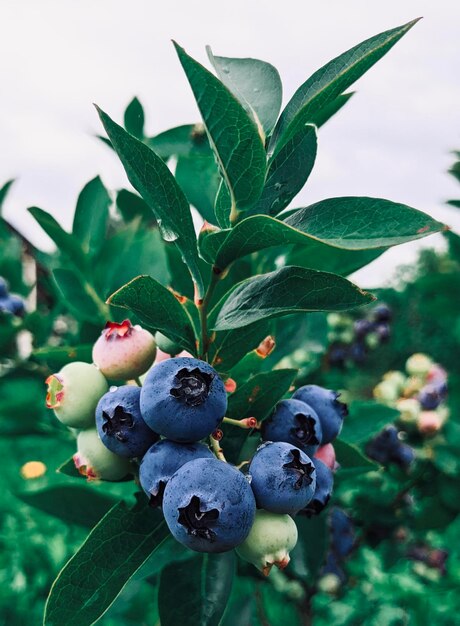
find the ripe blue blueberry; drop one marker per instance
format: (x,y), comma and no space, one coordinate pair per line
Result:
(209,506)
(330,410)
(382,313)
(13,305)
(294,422)
(362,328)
(283,478)
(3,288)
(386,448)
(342,533)
(162,460)
(183,399)
(323,491)
(120,425)
(431,396)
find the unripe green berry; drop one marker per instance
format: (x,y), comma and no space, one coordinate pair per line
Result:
(418,364)
(95,461)
(269,542)
(74,392)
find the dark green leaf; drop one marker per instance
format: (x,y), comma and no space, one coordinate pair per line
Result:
(96,574)
(259,394)
(288,171)
(68,468)
(320,256)
(358,223)
(229,347)
(328,111)
(233,135)
(73,504)
(350,457)
(326,84)
(287,290)
(255,83)
(66,243)
(131,206)
(311,552)
(196,592)
(56,358)
(80,297)
(158,308)
(366,419)
(151,177)
(3,192)
(134,118)
(210,240)
(182,141)
(91,216)
(199,179)
(223,206)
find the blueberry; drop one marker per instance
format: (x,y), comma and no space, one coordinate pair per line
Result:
(124,351)
(337,355)
(323,491)
(358,352)
(382,313)
(283,477)
(209,506)
(342,533)
(362,328)
(294,422)
(383,332)
(3,288)
(73,393)
(183,399)
(13,305)
(326,454)
(333,567)
(95,461)
(386,448)
(431,396)
(329,409)
(162,460)
(120,425)
(269,542)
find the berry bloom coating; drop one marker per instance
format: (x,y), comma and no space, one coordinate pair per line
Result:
(183,399)
(418,365)
(162,460)
(124,351)
(120,425)
(95,461)
(323,491)
(74,392)
(166,345)
(326,454)
(209,506)
(330,410)
(269,542)
(294,422)
(283,478)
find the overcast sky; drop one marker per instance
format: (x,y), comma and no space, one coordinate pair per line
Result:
(393,140)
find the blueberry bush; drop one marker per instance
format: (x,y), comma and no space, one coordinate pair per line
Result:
(194,412)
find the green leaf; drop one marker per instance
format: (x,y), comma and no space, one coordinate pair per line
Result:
(350,457)
(199,179)
(3,192)
(255,83)
(232,133)
(91,216)
(259,394)
(229,347)
(320,256)
(92,579)
(68,469)
(56,358)
(80,297)
(131,207)
(365,419)
(66,243)
(73,504)
(329,110)
(326,84)
(181,141)
(223,206)
(151,177)
(287,290)
(313,553)
(158,308)
(358,223)
(134,119)
(196,592)
(288,171)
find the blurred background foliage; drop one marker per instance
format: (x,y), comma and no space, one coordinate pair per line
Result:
(386,554)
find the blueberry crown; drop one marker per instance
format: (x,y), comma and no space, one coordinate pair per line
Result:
(305,429)
(196,521)
(343,408)
(191,386)
(302,470)
(115,424)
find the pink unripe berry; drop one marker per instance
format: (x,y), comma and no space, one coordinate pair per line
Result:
(326,454)
(429,423)
(124,351)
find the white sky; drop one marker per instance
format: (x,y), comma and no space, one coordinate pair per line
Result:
(393,140)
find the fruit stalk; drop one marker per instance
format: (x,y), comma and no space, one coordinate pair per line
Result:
(203,305)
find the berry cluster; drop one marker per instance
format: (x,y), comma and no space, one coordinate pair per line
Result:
(10,303)
(351,339)
(159,429)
